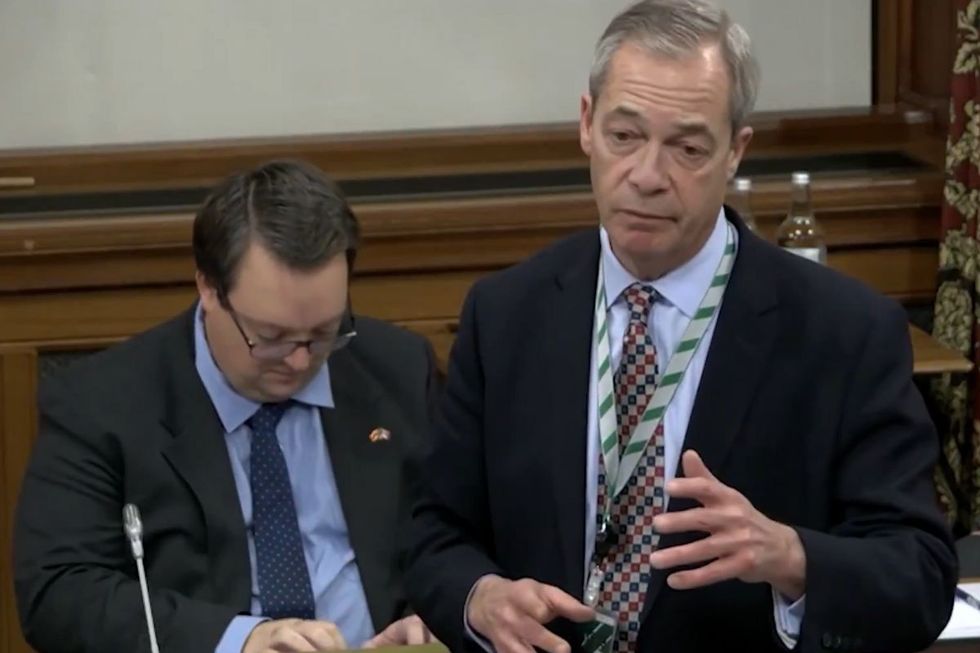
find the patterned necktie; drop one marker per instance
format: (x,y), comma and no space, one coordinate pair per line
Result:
(627,567)
(284,581)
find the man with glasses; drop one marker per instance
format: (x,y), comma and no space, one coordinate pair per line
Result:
(263,437)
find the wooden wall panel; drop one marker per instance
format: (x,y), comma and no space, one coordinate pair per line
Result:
(933,49)
(432,236)
(913,53)
(358,157)
(885,23)
(18,423)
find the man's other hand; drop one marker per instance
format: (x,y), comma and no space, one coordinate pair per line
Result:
(511,614)
(294,636)
(409,631)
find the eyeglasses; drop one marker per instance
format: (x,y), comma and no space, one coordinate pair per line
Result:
(275,350)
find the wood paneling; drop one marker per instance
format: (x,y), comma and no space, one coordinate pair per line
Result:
(422,153)
(18,423)
(349,157)
(885,21)
(933,49)
(432,236)
(913,53)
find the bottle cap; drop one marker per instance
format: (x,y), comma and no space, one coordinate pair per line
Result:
(801,178)
(743,184)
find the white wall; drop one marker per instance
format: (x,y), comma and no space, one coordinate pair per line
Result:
(116,71)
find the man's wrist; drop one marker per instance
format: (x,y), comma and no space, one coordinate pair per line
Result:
(479,588)
(790,578)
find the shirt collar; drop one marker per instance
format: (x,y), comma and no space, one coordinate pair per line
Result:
(234,409)
(683,287)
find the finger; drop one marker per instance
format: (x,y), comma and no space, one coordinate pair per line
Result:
(339,643)
(528,600)
(708,492)
(387,637)
(510,643)
(429,637)
(709,548)
(720,570)
(381,639)
(323,635)
(288,639)
(532,633)
(694,467)
(415,632)
(703,520)
(562,604)
(546,640)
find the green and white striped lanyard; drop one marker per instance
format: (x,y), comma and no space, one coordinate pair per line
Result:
(620,469)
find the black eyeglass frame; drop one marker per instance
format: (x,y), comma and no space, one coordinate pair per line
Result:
(275,351)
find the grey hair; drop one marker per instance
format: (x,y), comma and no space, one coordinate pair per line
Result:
(676,28)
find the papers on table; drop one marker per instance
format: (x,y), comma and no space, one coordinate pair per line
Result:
(965,620)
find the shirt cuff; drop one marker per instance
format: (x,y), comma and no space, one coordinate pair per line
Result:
(789,617)
(472,634)
(233,641)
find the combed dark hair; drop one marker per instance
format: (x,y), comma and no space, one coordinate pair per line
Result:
(290,207)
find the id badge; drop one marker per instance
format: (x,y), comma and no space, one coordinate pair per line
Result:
(599,635)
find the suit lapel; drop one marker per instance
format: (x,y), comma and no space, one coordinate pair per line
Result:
(567,320)
(199,455)
(368,478)
(736,362)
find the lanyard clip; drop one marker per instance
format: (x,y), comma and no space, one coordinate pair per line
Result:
(592,586)
(606,537)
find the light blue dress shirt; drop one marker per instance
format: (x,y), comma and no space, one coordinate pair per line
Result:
(334,577)
(681,291)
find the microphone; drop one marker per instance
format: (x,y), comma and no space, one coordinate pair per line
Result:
(133,528)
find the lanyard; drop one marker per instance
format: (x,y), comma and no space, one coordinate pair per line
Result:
(620,466)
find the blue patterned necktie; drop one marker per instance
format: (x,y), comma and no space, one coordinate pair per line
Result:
(284,581)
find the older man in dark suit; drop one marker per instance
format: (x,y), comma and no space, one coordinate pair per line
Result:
(668,430)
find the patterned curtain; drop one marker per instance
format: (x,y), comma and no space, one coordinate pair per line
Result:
(957,309)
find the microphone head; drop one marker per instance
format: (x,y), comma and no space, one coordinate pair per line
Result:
(132,525)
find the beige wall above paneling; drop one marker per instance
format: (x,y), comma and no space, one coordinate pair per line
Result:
(116,71)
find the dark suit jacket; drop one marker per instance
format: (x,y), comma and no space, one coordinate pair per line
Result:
(806,406)
(134,424)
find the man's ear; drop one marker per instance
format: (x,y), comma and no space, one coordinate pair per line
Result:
(208,293)
(740,142)
(585,124)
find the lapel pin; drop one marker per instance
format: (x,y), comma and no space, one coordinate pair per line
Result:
(380,435)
